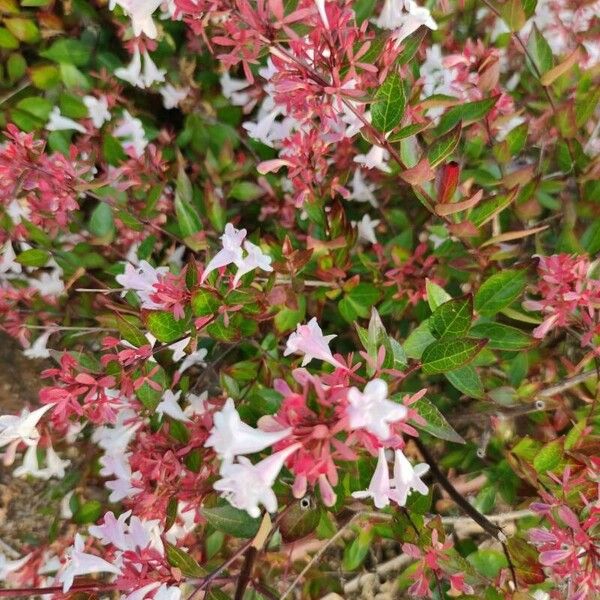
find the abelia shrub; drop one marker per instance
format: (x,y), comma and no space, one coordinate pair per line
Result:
(306,284)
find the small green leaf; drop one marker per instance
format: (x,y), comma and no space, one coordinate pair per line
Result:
(453,318)
(467,113)
(466,380)
(102,224)
(68,51)
(388,104)
(24,30)
(205,303)
(231,520)
(358,301)
(448,355)
(443,147)
(540,50)
(130,331)
(8,40)
(549,457)
(488,562)
(436,295)
(34,257)
(183,561)
(501,337)
(287,318)
(419,339)
(165,327)
(435,424)
(245,191)
(499,291)
(357,551)
(187,218)
(88,512)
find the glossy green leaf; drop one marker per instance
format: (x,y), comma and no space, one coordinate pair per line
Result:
(501,337)
(453,318)
(435,422)
(540,50)
(446,355)
(180,559)
(467,113)
(443,147)
(34,257)
(466,380)
(499,291)
(165,327)
(231,520)
(388,104)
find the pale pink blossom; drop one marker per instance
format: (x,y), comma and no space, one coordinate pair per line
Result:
(379,488)
(309,340)
(231,252)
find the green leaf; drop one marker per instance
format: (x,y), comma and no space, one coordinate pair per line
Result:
(16,65)
(499,291)
(467,113)
(129,330)
(540,50)
(102,224)
(44,76)
(357,551)
(436,295)
(443,147)
(8,40)
(68,51)
(419,339)
(183,561)
(512,13)
(34,257)
(501,337)
(88,512)
(436,424)
(486,210)
(466,380)
(245,191)
(24,30)
(187,217)
(205,303)
(549,457)
(358,301)
(453,318)
(446,355)
(165,327)
(388,104)
(287,318)
(147,395)
(488,562)
(231,520)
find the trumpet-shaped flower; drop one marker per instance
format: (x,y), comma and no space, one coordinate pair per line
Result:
(172,96)
(151,74)
(407,478)
(255,259)
(371,410)
(97,110)
(130,132)
(39,348)
(379,486)
(246,486)
(141,280)
(404,17)
(366,229)
(140,13)
(81,563)
(309,340)
(57,122)
(231,252)
(132,73)
(230,436)
(169,406)
(22,428)
(362,191)
(375,158)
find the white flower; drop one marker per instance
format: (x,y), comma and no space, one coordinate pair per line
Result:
(404,17)
(138,533)
(366,229)
(131,133)
(140,13)
(195,358)
(246,486)
(57,122)
(255,259)
(152,74)
(362,191)
(22,428)
(30,465)
(371,410)
(55,466)
(115,439)
(132,74)
(172,96)
(49,284)
(309,340)
(178,348)
(8,264)
(230,436)
(39,348)
(379,487)
(231,239)
(18,210)
(232,89)
(196,404)
(375,158)
(10,566)
(97,110)
(141,280)
(169,406)
(141,593)
(266,129)
(80,563)
(167,592)
(407,478)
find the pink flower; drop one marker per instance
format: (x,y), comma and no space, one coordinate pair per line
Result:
(231,252)
(309,340)
(379,487)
